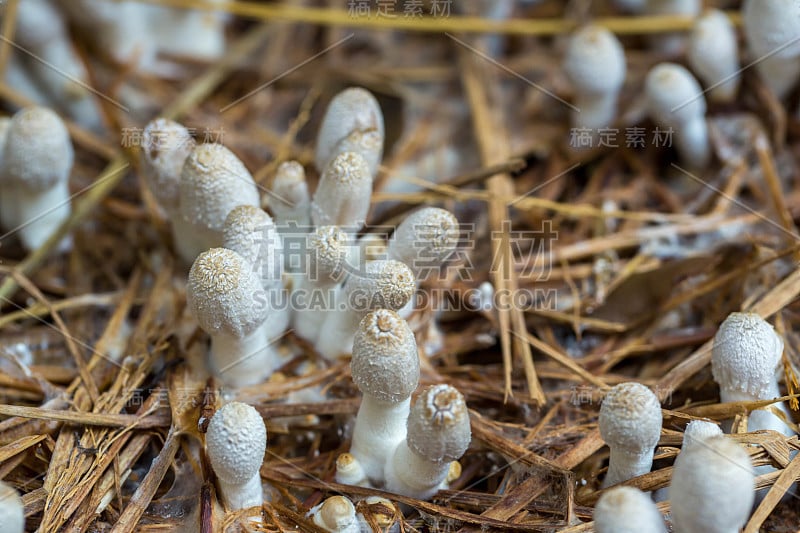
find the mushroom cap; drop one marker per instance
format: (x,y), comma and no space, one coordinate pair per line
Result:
(236,440)
(425,239)
(165,146)
(746,354)
(384,284)
(385,361)
(214,181)
(438,425)
(38,153)
(698,431)
(368,144)
(627,510)
(352,110)
(344,192)
(630,417)
(223,293)
(328,250)
(250,232)
(595,61)
(772,27)
(12,510)
(674,96)
(712,487)
(289,187)
(335,514)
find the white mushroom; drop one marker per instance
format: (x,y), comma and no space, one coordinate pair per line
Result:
(290,201)
(627,510)
(424,240)
(772,30)
(438,433)
(236,440)
(698,431)
(343,195)
(12,510)
(630,424)
(385,367)
(336,515)
(712,488)
(713,55)
(595,65)
(349,471)
(226,298)
(672,43)
(195,33)
(675,101)
(37,161)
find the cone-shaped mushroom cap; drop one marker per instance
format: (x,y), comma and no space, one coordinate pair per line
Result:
(630,417)
(772,27)
(12,510)
(712,487)
(699,430)
(595,61)
(38,153)
(166,145)
(236,440)
(438,425)
(425,239)
(713,50)
(627,510)
(367,144)
(673,95)
(384,284)
(289,187)
(352,110)
(328,247)
(222,293)
(746,352)
(214,181)
(250,232)
(385,362)
(335,514)
(343,195)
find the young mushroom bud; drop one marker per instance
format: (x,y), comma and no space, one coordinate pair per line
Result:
(385,368)
(627,510)
(424,240)
(37,161)
(352,111)
(213,181)
(165,146)
(343,195)
(712,488)
(226,298)
(349,471)
(381,512)
(772,31)
(190,33)
(236,440)
(290,201)
(744,363)
(336,515)
(382,285)
(630,423)
(675,101)
(595,65)
(714,55)
(698,431)
(438,433)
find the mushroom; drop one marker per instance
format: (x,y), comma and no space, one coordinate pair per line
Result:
(336,515)
(712,488)
(343,195)
(772,31)
(672,43)
(438,433)
(12,510)
(353,121)
(713,55)
(382,513)
(213,182)
(627,510)
(349,471)
(194,33)
(697,431)
(675,100)
(595,65)
(236,440)
(36,164)
(226,298)
(630,423)
(384,284)
(744,363)
(289,201)
(424,240)
(385,368)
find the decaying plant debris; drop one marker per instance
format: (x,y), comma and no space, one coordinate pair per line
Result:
(637,259)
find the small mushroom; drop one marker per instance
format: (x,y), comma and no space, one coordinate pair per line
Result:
(343,195)
(772,31)
(336,515)
(713,55)
(290,201)
(349,471)
(672,43)
(627,510)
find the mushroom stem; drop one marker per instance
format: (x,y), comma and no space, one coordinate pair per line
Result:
(256,362)
(242,496)
(380,425)
(40,213)
(626,464)
(410,474)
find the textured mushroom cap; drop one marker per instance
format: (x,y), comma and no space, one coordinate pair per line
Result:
(385,361)
(630,417)
(37,153)
(425,239)
(222,293)
(673,95)
(385,284)
(354,109)
(214,181)
(367,144)
(165,147)
(236,440)
(343,195)
(595,61)
(289,186)
(771,25)
(712,487)
(745,355)
(627,510)
(438,425)
(335,514)
(12,510)
(328,250)
(698,431)
(250,232)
